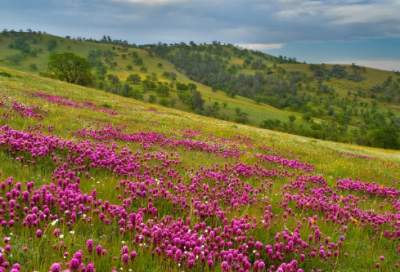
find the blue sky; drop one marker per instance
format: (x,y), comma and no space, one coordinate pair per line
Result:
(365,32)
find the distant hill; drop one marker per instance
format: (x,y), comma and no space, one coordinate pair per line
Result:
(346,103)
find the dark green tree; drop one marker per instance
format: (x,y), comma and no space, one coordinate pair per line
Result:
(33,66)
(385,137)
(51,44)
(292,118)
(197,101)
(71,68)
(135,78)
(152,98)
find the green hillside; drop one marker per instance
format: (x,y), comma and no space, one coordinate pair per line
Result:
(323,106)
(96,181)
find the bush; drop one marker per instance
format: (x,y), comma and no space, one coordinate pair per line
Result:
(33,66)
(51,45)
(385,137)
(5,74)
(105,105)
(152,98)
(164,102)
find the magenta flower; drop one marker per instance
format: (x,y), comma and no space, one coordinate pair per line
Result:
(56,267)
(125,259)
(74,264)
(89,245)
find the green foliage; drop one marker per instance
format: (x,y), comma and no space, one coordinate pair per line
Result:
(70,68)
(385,137)
(197,101)
(148,84)
(5,74)
(33,66)
(152,98)
(181,87)
(138,61)
(51,44)
(135,78)
(105,105)
(163,90)
(15,59)
(126,89)
(137,94)
(164,102)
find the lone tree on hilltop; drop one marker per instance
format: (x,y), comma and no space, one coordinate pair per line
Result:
(71,68)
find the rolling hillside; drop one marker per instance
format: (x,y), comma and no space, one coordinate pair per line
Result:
(329,108)
(96,181)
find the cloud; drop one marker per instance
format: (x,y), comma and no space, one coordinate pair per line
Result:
(262,46)
(389,65)
(247,22)
(151,2)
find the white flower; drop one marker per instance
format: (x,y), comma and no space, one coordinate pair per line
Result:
(123,242)
(84,215)
(72,232)
(11,234)
(62,236)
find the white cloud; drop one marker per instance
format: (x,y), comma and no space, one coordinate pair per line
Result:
(342,11)
(389,65)
(262,46)
(152,2)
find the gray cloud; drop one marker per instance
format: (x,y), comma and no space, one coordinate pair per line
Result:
(234,21)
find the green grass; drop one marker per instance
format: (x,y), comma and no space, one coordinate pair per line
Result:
(325,156)
(257,112)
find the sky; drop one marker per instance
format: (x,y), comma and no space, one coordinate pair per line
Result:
(366,32)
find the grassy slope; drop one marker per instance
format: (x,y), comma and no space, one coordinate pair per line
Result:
(325,156)
(257,112)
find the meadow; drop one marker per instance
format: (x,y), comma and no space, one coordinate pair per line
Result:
(91,181)
(257,111)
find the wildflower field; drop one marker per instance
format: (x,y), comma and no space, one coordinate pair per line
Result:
(91,181)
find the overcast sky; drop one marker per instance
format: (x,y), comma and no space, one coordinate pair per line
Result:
(365,32)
